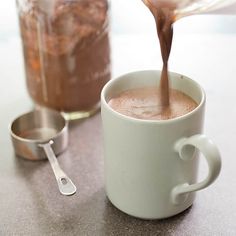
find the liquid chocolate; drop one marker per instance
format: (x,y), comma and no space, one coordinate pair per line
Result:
(145,103)
(163,13)
(66,50)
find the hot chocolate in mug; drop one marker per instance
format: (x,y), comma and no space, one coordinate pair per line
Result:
(151,166)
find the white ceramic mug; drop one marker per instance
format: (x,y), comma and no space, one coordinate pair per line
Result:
(151,166)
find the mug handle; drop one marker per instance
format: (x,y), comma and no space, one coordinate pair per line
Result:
(186,148)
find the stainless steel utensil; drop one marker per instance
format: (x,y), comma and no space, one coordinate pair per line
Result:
(42,134)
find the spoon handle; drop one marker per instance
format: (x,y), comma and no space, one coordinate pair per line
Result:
(65,184)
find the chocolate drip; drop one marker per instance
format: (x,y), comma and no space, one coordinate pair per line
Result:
(164,17)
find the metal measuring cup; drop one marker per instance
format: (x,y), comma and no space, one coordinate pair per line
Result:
(42,134)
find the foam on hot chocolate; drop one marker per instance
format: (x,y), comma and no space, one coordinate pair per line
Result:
(145,103)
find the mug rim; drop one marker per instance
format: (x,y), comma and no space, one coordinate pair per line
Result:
(137,120)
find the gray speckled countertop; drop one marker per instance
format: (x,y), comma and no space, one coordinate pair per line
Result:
(30,203)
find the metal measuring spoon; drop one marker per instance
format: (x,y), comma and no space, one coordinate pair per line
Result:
(42,134)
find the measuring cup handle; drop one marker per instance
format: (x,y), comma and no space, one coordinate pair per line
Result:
(65,184)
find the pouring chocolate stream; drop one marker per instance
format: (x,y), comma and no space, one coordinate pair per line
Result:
(163,13)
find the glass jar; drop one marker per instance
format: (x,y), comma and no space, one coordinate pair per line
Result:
(66,53)
(189,7)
